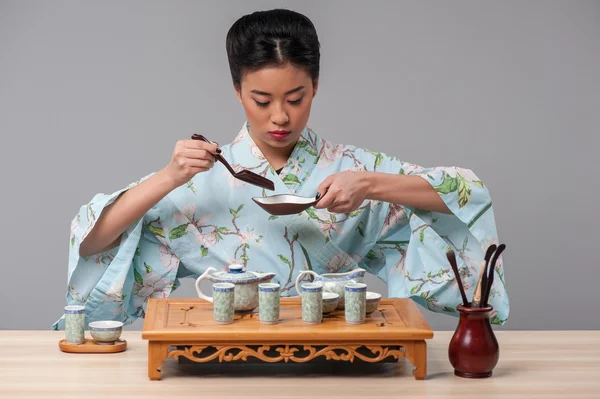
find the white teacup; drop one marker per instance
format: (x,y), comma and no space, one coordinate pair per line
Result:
(330,302)
(106,332)
(373,300)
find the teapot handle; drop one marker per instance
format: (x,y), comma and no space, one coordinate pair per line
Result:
(204,276)
(302,273)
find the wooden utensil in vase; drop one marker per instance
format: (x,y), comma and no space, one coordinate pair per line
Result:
(476,302)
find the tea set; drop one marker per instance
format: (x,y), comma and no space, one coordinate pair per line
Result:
(236,291)
(104,332)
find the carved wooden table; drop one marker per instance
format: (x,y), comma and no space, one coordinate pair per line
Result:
(177,328)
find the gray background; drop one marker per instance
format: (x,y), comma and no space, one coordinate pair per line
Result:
(94,95)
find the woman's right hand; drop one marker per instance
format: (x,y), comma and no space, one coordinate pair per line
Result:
(189,158)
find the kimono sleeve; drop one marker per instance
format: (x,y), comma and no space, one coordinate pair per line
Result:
(415,242)
(104,283)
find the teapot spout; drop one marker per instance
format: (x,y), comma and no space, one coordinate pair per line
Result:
(265,277)
(360,271)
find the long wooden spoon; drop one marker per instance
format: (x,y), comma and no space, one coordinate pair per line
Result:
(487,289)
(244,175)
(452,259)
(483,276)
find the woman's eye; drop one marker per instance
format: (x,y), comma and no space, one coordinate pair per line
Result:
(261,104)
(296,102)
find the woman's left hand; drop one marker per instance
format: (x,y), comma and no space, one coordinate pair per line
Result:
(343,192)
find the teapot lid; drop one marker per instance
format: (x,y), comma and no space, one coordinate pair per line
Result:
(235,275)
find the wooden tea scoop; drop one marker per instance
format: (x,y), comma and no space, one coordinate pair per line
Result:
(488,287)
(452,259)
(475,301)
(482,277)
(244,175)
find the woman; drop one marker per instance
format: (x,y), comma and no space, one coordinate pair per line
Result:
(392,218)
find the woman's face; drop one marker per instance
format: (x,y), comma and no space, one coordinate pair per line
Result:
(277,102)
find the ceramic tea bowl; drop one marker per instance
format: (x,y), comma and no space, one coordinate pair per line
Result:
(373,300)
(330,302)
(106,332)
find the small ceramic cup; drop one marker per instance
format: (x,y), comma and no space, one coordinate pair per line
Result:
(330,302)
(268,303)
(75,324)
(223,302)
(312,303)
(373,299)
(355,301)
(106,332)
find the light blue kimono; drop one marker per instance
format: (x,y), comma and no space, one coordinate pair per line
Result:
(212,221)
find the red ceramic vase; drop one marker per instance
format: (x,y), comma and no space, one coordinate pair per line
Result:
(473,349)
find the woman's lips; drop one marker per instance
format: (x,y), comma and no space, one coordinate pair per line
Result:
(279,134)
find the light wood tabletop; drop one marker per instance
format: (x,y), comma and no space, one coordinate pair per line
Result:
(533,364)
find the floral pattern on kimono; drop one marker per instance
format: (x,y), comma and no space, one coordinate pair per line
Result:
(212,221)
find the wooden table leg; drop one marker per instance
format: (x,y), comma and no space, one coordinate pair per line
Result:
(416,353)
(157,351)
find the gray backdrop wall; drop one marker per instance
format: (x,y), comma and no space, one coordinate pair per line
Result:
(94,95)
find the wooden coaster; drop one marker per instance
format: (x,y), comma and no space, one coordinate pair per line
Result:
(90,346)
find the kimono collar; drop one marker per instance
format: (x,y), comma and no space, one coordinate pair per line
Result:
(298,167)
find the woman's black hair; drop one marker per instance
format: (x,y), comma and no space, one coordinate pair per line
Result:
(272,38)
